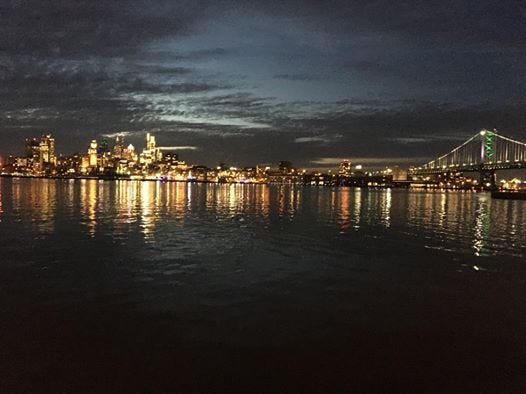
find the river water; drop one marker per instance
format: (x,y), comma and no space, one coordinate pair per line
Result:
(149,286)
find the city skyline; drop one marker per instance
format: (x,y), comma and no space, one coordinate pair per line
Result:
(484,154)
(311,82)
(321,164)
(117,159)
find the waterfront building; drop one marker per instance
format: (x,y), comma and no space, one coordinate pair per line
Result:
(32,147)
(129,154)
(151,154)
(47,150)
(285,167)
(286,173)
(118,148)
(92,154)
(40,153)
(345,168)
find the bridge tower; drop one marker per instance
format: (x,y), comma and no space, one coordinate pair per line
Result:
(487,155)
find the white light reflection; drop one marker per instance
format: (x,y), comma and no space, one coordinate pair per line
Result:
(264,198)
(189,191)
(232,198)
(1,200)
(442,213)
(482,227)
(147,216)
(44,208)
(123,205)
(386,207)
(88,204)
(357,207)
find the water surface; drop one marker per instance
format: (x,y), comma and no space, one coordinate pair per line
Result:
(120,284)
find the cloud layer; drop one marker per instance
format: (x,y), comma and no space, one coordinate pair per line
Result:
(252,82)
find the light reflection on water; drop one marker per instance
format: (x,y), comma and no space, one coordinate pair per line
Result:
(184,218)
(482,228)
(158,268)
(1,206)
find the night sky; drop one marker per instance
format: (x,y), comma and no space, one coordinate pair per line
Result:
(247,82)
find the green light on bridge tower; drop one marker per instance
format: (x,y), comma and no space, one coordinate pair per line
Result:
(488,145)
(488,150)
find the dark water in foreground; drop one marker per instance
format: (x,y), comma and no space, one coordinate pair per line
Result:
(128,286)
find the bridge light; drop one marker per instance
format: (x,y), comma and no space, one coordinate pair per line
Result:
(482,132)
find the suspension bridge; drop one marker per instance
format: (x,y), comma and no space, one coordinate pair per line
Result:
(485,152)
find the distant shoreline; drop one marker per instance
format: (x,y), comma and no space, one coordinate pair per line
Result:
(395,185)
(124,178)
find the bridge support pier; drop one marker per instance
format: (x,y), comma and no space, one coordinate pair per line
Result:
(488,179)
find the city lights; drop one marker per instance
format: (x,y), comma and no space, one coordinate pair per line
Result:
(157,163)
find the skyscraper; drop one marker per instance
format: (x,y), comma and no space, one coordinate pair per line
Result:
(118,148)
(47,150)
(150,142)
(345,168)
(32,147)
(41,152)
(92,153)
(151,154)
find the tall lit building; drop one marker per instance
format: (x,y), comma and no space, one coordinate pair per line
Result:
(103,147)
(345,168)
(150,142)
(32,148)
(129,153)
(118,148)
(92,153)
(151,154)
(47,150)
(40,152)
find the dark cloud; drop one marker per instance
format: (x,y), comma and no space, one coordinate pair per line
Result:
(497,25)
(296,77)
(204,54)
(73,28)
